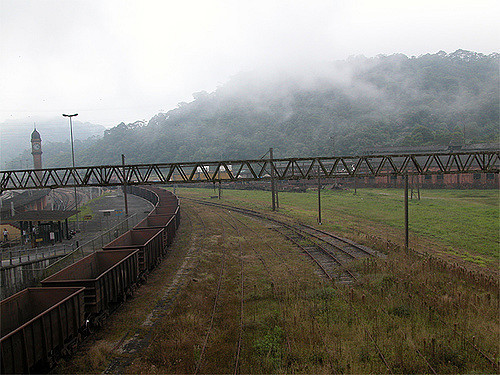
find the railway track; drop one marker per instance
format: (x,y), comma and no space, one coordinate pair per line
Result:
(347,247)
(332,254)
(133,343)
(215,309)
(61,200)
(242,297)
(319,243)
(330,265)
(115,273)
(270,275)
(303,237)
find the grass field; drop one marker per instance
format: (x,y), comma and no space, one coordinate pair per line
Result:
(85,209)
(274,314)
(461,223)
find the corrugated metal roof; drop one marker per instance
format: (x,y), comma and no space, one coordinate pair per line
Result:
(42,215)
(24,198)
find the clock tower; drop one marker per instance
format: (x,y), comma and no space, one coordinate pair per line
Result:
(36,149)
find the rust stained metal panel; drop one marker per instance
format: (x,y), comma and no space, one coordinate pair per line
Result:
(165,209)
(148,241)
(165,222)
(249,170)
(36,321)
(105,275)
(156,222)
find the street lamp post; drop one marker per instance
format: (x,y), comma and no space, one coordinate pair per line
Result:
(73,158)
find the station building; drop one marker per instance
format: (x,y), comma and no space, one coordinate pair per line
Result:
(28,216)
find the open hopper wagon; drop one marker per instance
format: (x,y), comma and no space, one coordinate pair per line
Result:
(37,325)
(165,222)
(148,241)
(106,276)
(169,210)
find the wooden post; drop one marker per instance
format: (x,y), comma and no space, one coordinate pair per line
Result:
(125,185)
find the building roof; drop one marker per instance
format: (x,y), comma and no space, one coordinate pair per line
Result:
(35,135)
(432,149)
(23,199)
(42,215)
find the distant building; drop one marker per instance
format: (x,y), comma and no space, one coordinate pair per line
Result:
(36,149)
(28,200)
(438,180)
(432,149)
(28,216)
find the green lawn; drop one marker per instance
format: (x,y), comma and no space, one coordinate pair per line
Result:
(460,222)
(86,209)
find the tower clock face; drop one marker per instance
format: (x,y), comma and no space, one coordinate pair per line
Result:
(36,146)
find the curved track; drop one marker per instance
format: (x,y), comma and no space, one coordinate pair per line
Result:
(332,254)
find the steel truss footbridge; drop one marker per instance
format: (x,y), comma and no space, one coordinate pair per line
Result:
(254,170)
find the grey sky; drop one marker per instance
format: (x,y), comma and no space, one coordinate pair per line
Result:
(114,61)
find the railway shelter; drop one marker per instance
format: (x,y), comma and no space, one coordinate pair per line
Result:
(43,227)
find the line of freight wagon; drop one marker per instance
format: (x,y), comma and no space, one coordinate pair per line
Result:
(39,325)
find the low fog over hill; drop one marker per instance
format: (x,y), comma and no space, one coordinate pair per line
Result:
(342,107)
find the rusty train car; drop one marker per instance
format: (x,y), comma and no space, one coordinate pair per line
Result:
(39,325)
(148,241)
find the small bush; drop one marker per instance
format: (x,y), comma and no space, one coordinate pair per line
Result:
(401,311)
(269,346)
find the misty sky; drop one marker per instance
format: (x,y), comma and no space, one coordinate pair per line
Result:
(114,61)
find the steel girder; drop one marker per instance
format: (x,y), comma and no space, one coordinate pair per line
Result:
(253,170)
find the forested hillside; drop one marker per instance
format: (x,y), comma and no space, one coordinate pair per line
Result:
(342,107)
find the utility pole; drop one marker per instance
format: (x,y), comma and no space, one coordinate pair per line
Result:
(411,187)
(125,185)
(220,167)
(277,195)
(273,191)
(406,212)
(319,195)
(73,159)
